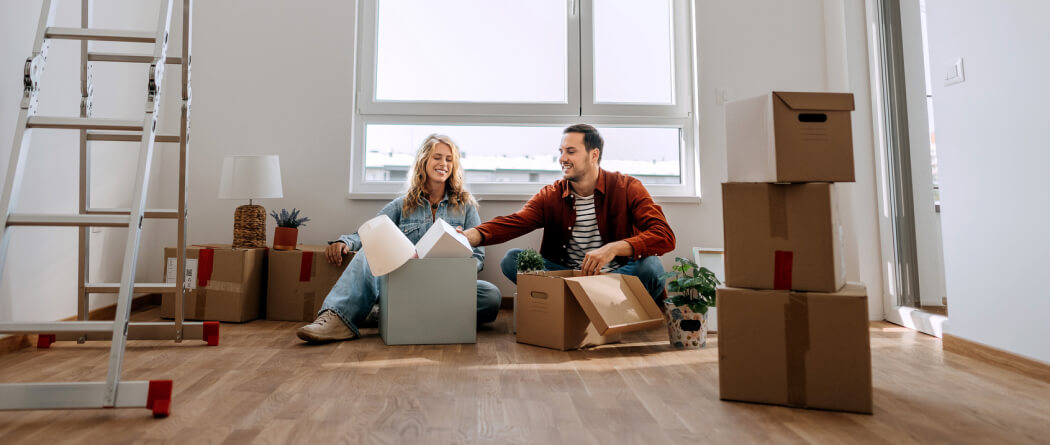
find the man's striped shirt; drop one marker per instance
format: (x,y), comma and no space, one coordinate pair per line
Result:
(585,235)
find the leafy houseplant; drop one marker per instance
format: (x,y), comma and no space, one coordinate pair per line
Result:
(530,261)
(693,290)
(286,234)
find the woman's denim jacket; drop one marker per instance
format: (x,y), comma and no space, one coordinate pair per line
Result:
(417,222)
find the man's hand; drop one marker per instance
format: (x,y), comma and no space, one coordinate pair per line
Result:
(473,236)
(595,260)
(335,251)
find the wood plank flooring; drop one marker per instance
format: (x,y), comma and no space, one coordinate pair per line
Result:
(262,385)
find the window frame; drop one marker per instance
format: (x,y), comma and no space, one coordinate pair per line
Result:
(681,114)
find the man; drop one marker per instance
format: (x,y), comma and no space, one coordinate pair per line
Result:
(593,220)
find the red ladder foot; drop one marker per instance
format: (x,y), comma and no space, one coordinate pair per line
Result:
(158,398)
(211,333)
(44,341)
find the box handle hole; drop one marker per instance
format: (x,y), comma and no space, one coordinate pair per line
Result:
(539,295)
(812,117)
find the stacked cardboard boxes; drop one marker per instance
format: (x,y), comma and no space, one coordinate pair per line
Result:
(791,330)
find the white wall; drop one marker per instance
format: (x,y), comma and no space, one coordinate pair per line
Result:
(39,279)
(993,156)
(276,77)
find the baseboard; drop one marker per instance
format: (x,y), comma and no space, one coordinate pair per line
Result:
(998,357)
(15,342)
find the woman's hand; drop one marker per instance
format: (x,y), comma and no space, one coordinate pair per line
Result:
(336,251)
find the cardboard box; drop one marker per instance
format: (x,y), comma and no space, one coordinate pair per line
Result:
(806,350)
(783,236)
(566,310)
(429,301)
(790,137)
(222,283)
(298,282)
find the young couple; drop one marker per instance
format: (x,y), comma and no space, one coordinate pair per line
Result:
(593,220)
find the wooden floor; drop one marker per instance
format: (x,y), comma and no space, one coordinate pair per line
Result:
(263,385)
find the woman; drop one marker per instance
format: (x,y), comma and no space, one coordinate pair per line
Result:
(435,191)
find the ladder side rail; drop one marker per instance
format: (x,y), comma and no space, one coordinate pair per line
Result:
(138,203)
(83,233)
(34,70)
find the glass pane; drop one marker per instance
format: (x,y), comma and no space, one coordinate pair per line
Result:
(472,51)
(633,52)
(522,153)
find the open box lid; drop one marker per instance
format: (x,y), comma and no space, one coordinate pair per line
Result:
(615,303)
(816,101)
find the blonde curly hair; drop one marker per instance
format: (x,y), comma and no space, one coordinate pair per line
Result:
(417,194)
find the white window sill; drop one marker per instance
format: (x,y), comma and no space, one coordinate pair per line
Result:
(482,197)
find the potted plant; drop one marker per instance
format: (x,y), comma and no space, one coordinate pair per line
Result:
(286,235)
(530,261)
(692,291)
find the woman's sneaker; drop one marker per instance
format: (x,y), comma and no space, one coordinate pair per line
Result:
(327,327)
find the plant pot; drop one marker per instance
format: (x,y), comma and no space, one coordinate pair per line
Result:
(685,328)
(285,238)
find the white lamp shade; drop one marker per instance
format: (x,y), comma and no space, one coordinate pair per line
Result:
(251,177)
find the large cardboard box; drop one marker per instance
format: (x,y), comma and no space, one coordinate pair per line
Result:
(566,310)
(790,137)
(783,236)
(298,282)
(807,350)
(429,301)
(222,283)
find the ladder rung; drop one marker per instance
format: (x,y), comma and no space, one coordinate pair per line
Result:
(83,123)
(53,220)
(130,58)
(51,327)
(134,394)
(149,330)
(108,35)
(112,288)
(128,137)
(149,213)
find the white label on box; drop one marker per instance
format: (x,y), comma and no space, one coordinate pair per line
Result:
(169,274)
(191,273)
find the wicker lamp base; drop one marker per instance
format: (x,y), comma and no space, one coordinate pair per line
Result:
(249,227)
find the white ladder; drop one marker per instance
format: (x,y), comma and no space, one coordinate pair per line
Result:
(111,393)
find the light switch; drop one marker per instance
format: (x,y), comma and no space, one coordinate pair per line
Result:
(955,73)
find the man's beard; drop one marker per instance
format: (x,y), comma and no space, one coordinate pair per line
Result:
(576,176)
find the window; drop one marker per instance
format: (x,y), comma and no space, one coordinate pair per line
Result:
(503,78)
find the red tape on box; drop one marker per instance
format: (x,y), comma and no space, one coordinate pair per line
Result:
(305,266)
(205,259)
(782,262)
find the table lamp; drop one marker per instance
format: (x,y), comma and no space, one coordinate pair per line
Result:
(250,177)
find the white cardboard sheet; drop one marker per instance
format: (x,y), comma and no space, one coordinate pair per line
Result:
(442,241)
(387,248)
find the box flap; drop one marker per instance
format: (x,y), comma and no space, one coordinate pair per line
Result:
(816,101)
(384,245)
(442,241)
(615,302)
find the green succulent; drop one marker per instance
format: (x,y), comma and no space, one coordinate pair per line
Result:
(289,219)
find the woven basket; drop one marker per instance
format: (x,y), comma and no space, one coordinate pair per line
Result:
(249,227)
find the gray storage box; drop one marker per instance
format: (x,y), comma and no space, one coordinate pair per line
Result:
(429,301)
